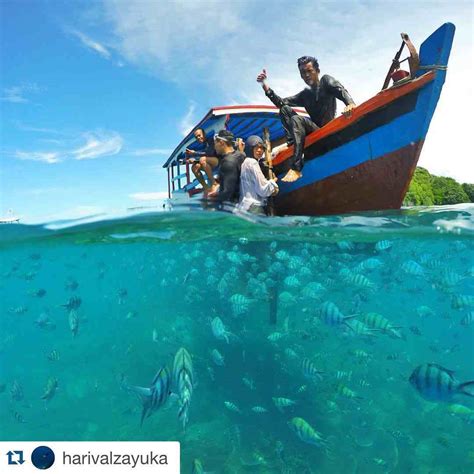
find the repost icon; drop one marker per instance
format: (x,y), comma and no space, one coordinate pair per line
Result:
(15,458)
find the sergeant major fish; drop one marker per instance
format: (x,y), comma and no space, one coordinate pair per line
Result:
(183,382)
(219,330)
(50,390)
(73,319)
(332,315)
(72,303)
(152,397)
(436,383)
(281,403)
(306,432)
(217,358)
(310,371)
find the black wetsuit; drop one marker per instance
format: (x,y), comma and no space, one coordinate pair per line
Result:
(209,150)
(229,176)
(320,103)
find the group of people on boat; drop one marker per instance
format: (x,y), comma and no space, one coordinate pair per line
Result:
(241,175)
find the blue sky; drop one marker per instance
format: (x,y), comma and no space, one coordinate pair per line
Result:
(94,95)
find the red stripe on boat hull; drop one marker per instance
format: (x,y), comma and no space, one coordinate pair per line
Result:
(373,185)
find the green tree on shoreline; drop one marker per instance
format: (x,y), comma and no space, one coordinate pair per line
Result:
(428,190)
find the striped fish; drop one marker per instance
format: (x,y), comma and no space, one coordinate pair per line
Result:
(19,310)
(197,467)
(310,371)
(360,329)
(369,264)
(449,278)
(345,245)
(410,267)
(436,383)
(344,374)
(258,409)
(239,304)
(232,407)
(219,330)
(73,319)
(468,319)
(54,356)
(50,390)
(16,391)
(377,321)
(281,403)
(383,245)
(72,303)
(18,417)
(291,282)
(347,392)
(286,299)
(332,315)
(282,255)
(217,358)
(306,432)
(462,301)
(183,382)
(152,397)
(275,336)
(360,281)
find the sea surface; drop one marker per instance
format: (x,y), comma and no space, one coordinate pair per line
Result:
(300,336)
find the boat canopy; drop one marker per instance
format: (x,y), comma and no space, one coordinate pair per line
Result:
(241,120)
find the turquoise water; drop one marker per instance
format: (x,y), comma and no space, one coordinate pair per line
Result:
(150,284)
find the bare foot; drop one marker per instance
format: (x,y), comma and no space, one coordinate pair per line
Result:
(213,190)
(292,176)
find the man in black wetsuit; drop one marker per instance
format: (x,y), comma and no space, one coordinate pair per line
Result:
(319,100)
(205,160)
(229,167)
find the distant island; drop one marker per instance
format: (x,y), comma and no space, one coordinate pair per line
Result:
(429,190)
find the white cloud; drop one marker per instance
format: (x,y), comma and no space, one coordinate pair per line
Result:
(45,157)
(99,144)
(188,121)
(91,44)
(28,128)
(16,94)
(151,151)
(219,48)
(153,196)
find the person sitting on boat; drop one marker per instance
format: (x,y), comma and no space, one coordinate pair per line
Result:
(229,167)
(319,100)
(254,187)
(206,160)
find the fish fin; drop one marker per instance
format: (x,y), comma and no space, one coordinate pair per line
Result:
(450,372)
(157,376)
(351,316)
(144,414)
(143,393)
(467,388)
(349,326)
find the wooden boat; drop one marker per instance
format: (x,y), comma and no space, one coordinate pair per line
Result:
(364,162)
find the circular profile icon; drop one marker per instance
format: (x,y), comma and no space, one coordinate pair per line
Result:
(42,457)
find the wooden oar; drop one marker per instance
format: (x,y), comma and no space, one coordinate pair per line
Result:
(271,174)
(273,293)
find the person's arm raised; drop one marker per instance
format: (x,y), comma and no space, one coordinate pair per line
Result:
(262,78)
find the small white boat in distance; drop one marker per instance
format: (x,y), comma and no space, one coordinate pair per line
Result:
(10,218)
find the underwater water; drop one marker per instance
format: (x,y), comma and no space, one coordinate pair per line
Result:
(301,338)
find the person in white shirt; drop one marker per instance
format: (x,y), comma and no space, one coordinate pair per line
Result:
(254,187)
